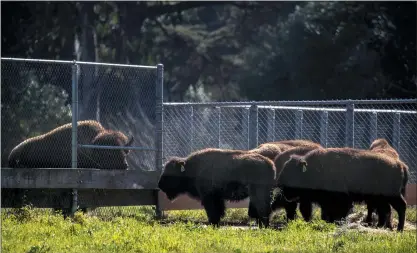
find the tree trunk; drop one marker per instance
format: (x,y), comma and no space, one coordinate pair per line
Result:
(87,51)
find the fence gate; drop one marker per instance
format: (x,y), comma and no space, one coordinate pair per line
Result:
(40,95)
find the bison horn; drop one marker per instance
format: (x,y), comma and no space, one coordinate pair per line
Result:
(130,141)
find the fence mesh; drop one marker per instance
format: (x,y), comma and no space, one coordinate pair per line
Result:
(198,126)
(123,99)
(36,98)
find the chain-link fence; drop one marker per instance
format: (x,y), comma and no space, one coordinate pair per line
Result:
(38,97)
(244,125)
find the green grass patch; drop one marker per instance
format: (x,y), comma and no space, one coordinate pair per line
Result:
(134,230)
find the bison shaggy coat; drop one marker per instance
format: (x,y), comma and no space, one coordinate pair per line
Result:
(279,201)
(215,175)
(53,149)
(382,146)
(384,219)
(361,175)
(306,206)
(272,150)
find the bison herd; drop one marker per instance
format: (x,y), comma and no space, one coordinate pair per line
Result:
(281,174)
(302,171)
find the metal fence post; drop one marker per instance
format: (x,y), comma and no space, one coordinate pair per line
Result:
(271,124)
(192,130)
(396,135)
(324,124)
(299,124)
(159,141)
(74,137)
(219,114)
(373,131)
(350,125)
(253,127)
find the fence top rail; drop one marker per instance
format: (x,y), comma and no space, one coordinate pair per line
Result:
(294,103)
(338,109)
(78,62)
(116,147)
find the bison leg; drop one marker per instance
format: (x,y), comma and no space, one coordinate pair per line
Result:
(260,195)
(371,208)
(215,208)
(400,205)
(291,210)
(384,215)
(252,213)
(306,209)
(324,214)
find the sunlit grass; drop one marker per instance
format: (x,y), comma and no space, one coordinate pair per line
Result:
(134,229)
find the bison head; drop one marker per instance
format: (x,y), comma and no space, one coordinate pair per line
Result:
(172,179)
(111,158)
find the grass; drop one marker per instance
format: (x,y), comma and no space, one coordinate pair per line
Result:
(133,229)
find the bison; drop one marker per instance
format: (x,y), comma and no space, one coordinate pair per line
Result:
(272,149)
(382,146)
(53,149)
(279,159)
(215,175)
(344,175)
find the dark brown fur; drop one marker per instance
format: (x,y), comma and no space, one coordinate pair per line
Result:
(353,174)
(53,149)
(382,146)
(306,207)
(298,143)
(216,175)
(272,150)
(268,150)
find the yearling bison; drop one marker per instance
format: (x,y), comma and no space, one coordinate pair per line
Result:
(215,175)
(345,175)
(53,149)
(382,146)
(290,207)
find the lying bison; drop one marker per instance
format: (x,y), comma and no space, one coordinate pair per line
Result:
(382,146)
(278,202)
(53,150)
(345,175)
(215,175)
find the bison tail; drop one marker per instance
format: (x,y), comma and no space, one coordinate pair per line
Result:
(405,181)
